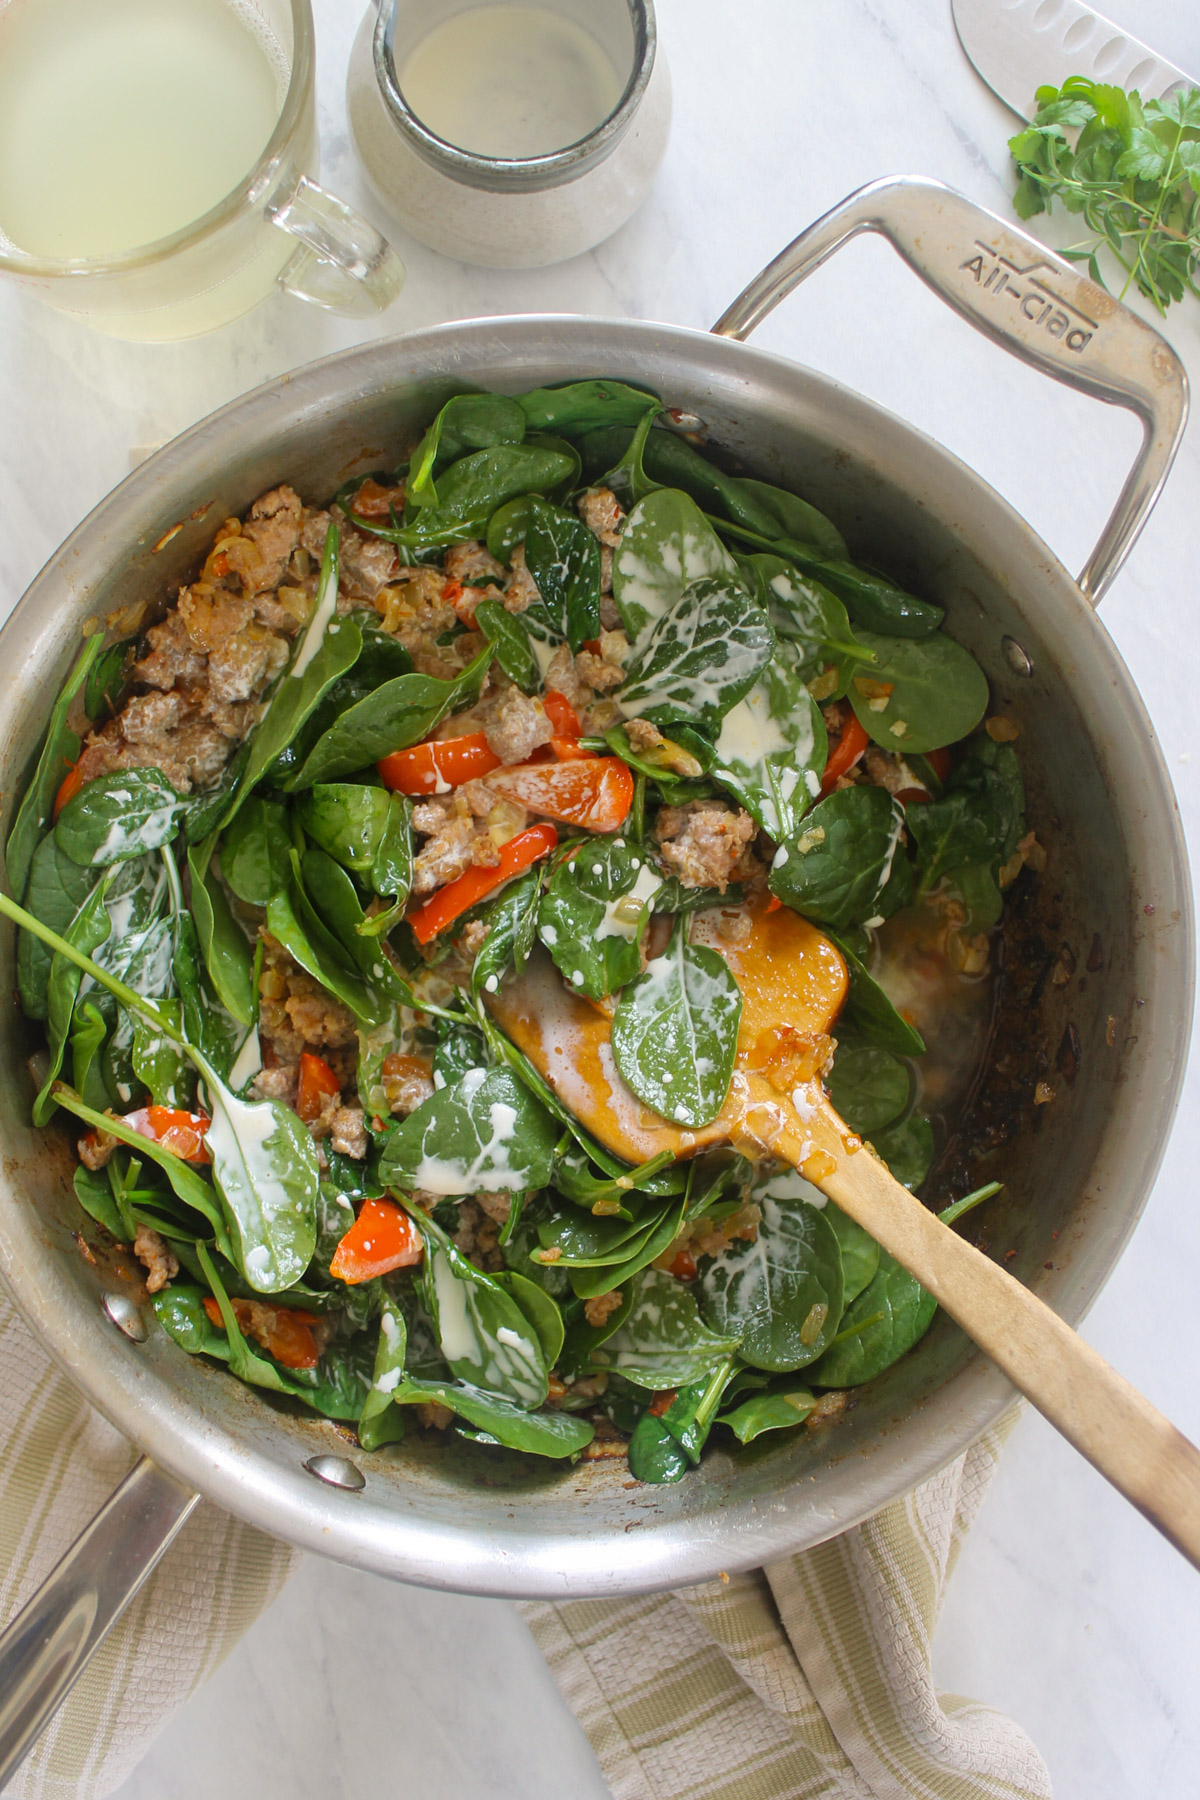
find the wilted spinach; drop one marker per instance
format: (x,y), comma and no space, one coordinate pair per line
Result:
(697,661)
(59,751)
(836,869)
(118,816)
(593,939)
(938,693)
(563,557)
(674,1034)
(781,1295)
(485,1132)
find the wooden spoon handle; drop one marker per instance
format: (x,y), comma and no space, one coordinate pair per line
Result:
(1108,1421)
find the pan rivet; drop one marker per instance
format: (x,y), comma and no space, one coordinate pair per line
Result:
(125,1316)
(337,1472)
(1016,658)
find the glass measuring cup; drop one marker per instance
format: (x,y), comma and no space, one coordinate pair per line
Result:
(277,227)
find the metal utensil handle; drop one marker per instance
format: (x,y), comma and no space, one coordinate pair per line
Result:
(48,1645)
(1025,297)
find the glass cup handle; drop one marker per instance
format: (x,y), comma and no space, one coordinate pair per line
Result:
(342,262)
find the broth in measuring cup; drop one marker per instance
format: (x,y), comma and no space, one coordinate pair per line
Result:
(124,122)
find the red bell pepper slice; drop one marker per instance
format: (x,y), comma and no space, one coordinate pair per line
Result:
(457,897)
(382,1238)
(436,767)
(595,792)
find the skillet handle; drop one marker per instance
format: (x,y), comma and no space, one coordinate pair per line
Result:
(1016,291)
(46,1648)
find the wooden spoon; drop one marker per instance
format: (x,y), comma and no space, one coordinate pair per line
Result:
(790,975)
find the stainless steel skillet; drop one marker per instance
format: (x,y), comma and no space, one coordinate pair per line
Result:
(1077,1173)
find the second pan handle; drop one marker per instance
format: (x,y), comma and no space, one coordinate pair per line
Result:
(46,1648)
(1022,295)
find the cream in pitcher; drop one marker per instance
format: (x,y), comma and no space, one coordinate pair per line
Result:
(149,149)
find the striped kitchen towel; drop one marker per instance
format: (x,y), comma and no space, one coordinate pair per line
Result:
(807,1680)
(59,1461)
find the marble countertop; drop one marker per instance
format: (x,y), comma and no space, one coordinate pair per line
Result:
(1067,1610)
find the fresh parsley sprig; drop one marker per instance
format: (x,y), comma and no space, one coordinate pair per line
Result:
(1133,174)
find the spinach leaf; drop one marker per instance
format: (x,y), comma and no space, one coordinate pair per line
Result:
(667,544)
(506,529)
(396,715)
(392,873)
(325,651)
(118,816)
(224,946)
(860,1252)
(511,641)
(158,1061)
(887,1319)
(907,1149)
(939,692)
(582,406)
(107,677)
(587,1240)
(56,889)
(835,870)
(773,747)
(468,422)
(458,1049)
(781,1295)
(87,931)
(89,1029)
(511,922)
(264,1162)
(292,919)
(684,1426)
(793,518)
(979,819)
(777,1408)
(473,488)
(484,1133)
(255,851)
(347,820)
(762,510)
(593,938)
(868,1086)
(581,1340)
(588,1282)
(265,1168)
(557,1434)
(563,557)
(870,1011)
(380,1421)
(697,661)
(674,1034)
(58,752)
(206,1022)
(95,1195)
(875,603)
(655,1453)
(540,1311)
(663,1342)
(484,1335)
(628,477)
(808,616)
